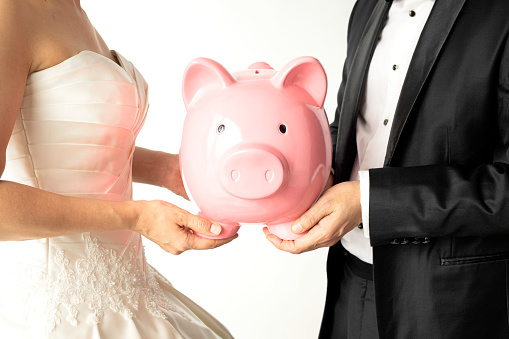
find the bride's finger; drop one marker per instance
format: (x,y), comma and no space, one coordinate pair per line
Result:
(198,243)
(198,224)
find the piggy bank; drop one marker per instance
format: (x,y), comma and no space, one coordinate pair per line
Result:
(256,146)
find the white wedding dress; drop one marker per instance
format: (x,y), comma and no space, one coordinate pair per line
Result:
(75,136)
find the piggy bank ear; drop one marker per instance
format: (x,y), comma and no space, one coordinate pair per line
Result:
(203,74)
(306,73)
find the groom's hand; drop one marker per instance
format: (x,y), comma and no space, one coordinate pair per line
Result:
(336,213)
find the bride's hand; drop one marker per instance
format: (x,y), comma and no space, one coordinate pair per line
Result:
(173,228)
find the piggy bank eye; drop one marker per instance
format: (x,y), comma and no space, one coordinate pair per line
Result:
(220,129)
(282,128)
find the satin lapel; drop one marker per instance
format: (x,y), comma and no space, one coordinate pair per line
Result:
(345,153)
(433,36)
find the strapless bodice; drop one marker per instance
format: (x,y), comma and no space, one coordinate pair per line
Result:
(75,132)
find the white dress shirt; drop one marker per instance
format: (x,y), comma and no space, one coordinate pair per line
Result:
(389,66)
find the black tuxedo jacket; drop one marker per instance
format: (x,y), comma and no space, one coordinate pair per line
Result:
(439,208)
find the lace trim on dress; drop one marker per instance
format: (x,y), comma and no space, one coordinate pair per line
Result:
(103,280)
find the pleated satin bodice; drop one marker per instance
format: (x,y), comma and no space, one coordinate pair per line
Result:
(76,128)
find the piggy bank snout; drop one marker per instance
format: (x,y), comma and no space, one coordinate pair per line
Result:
(253,173)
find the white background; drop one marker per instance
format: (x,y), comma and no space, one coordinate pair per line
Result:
(257,291)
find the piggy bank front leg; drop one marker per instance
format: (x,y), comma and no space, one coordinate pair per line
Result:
(284,231)
(227,230)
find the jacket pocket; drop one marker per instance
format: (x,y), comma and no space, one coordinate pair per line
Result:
(474,260)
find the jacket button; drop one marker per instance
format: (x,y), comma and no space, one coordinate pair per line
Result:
(395,242)
(411,13)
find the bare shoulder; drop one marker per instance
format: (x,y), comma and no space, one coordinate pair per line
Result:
(6,5)
(15,62)
(15,32)
(14,11)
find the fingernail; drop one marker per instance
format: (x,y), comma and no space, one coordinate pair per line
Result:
(215,228)
(297,228)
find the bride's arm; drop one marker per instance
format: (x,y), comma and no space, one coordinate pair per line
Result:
(30,213)
(158,169)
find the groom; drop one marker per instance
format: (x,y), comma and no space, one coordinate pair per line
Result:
(421,139)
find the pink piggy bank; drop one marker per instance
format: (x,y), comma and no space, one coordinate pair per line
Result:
(256,145)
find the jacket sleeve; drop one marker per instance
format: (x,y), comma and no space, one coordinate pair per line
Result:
(446,200)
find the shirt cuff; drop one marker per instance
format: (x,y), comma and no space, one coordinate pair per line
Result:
(364,187)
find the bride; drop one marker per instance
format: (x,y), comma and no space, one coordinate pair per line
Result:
(70,236)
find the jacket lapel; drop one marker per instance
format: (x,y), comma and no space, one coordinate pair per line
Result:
(345,150)
(433,36)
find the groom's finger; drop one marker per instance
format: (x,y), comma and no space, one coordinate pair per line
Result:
(303,244)
(311,217)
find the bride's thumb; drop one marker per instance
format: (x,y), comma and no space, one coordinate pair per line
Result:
(203,226)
